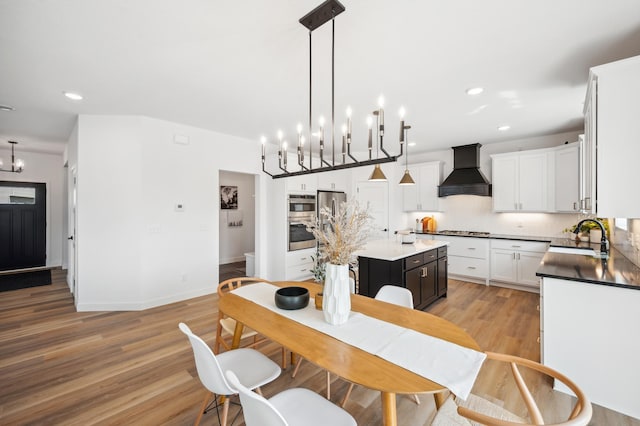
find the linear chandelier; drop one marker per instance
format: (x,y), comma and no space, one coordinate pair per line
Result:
(325,12)
(17,166)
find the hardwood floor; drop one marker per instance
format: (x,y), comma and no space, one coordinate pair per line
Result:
(58,366)
(232,270)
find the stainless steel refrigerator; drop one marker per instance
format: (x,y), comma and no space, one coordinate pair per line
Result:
(330,199)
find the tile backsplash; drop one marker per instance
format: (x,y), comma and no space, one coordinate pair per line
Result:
(627,241)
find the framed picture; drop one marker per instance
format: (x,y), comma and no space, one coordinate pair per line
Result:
(228,197)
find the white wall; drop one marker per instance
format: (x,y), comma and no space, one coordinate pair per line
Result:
(237,240)
(134,249)
(44,168)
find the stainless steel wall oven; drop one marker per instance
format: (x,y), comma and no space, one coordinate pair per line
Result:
(301,208)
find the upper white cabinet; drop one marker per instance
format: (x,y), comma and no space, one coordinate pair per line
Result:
(611,116)
(423,196)
(336,180)
(521,181)
(302,184)
(567,178)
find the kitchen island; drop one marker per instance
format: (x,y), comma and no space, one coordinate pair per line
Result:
(589,314)
(420,266)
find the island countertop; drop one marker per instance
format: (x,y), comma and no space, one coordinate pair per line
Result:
(391,250)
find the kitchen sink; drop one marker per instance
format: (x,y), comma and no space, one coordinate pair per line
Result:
(580,251)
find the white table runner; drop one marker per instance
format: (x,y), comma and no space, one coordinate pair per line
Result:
(452,366)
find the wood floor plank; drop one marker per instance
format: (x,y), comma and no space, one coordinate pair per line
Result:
(58,366)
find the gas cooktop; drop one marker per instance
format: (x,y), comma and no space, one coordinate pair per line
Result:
(468,233)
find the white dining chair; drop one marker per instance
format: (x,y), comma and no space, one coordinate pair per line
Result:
(254,369)
(400,296)
(292,407)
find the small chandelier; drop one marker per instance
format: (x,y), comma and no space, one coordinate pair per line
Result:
(325,12)
(16,165)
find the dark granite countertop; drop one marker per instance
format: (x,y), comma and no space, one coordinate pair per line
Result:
(616,271)
(495,236)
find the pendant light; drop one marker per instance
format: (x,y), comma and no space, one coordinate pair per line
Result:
(326,12)
(17,165)
(378,175)
(406,178)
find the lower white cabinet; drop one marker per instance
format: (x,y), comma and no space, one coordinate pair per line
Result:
(590,334)
(516,261)
(467,256)
(299,264)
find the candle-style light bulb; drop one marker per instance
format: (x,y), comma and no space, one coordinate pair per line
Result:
(370,136)
(284,153)
(263,141)
(401,113)
(381,114)
(321,121)
(349,112)
(280,136)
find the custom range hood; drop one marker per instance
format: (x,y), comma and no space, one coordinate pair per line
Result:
(466,177)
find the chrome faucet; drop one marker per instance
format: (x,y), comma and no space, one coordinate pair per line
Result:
(604,243)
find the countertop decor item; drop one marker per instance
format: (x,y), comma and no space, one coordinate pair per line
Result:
(344,232)
(291,298)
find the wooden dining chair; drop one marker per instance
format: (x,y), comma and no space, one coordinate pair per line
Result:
(226,326)
(477,410)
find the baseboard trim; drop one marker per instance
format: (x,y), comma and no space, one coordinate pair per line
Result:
(140,306)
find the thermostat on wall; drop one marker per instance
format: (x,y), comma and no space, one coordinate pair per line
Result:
(179,207)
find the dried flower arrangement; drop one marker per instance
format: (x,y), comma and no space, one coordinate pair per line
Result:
(345,232)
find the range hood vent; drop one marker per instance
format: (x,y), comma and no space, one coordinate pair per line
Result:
(466,177)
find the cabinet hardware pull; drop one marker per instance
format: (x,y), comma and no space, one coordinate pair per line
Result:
(575,206)
(416,261)
(516,246)
(518,256)
(471,267)
(471,248)
(513,256)
(538,340)
(538,307)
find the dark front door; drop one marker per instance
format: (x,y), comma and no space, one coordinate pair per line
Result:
(22,225)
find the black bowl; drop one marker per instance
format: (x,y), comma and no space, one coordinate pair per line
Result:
(291,298)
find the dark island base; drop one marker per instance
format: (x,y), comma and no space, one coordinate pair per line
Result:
(425,274)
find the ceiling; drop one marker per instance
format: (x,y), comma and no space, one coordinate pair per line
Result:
(241,67)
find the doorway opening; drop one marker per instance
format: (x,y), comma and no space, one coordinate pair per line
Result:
(237,225)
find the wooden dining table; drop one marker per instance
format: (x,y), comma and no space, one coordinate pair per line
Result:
(350,363)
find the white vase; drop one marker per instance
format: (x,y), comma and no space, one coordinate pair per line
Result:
(336,299)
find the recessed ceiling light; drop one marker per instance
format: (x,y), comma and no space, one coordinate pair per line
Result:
(504,128)
(73,96)
(475,91)
(411,144)
(6,108)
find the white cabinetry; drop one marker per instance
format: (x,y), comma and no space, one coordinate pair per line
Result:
(299,264)
(337,180)
(589,334)
(467,257)
(423,196)
(516,262)
(567,178)
(521,181)
(611,116)
(302,184)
